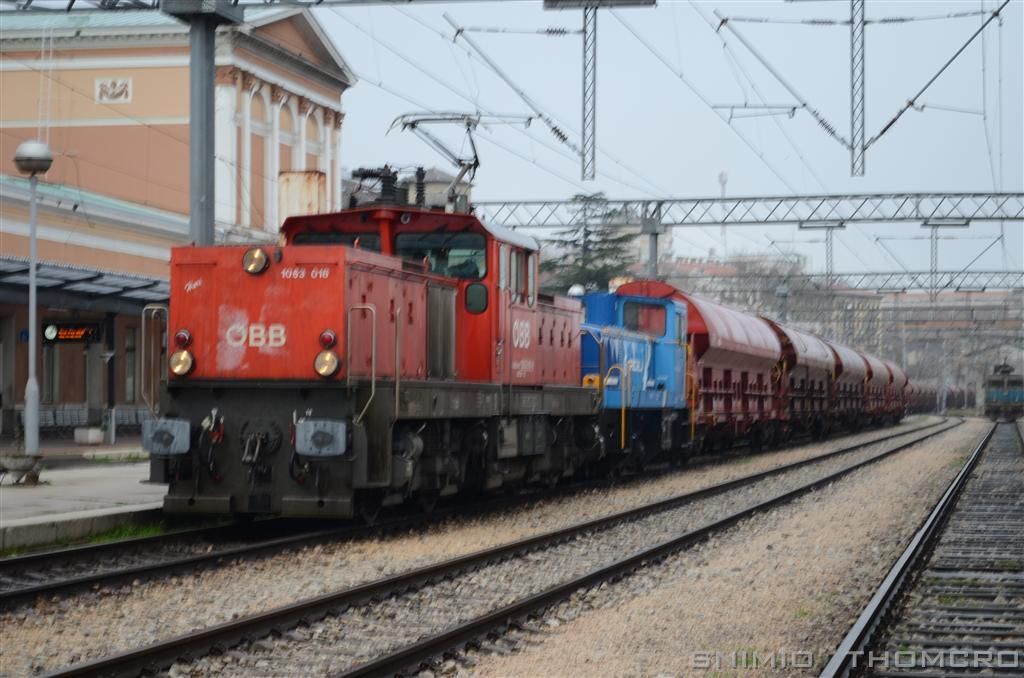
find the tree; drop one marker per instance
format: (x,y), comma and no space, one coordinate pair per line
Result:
(590,252)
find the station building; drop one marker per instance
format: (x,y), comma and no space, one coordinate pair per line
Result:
(109,92)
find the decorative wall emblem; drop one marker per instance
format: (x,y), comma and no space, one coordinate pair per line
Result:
(113,90)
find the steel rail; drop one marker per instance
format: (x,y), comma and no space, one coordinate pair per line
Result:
(424,650)
(12,597)
(10,567)
(864,629)
(159,655)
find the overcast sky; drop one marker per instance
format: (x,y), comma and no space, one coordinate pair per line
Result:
(658,136)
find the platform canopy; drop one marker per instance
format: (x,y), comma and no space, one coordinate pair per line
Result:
(80,288)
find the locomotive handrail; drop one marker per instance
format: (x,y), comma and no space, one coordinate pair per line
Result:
(153,311)
(373,356)
(624,375)
(398,354)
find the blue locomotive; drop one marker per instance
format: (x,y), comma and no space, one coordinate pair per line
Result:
(1004,393)
(634,352)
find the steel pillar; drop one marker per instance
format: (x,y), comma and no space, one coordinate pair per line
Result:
(201,189)
(650,224)
(203,17)
(857,88)
(933,269)
(589,141)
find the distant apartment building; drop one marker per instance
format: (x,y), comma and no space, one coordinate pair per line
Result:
(109,92)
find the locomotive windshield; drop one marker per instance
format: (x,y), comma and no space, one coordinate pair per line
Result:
(456,255)
(365,241)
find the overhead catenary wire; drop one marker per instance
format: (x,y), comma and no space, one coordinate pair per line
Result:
(463,95)
(846,22)
(984,106)
(557,131)
(911,101)
(447,85)
(753,85)
(681,76)
(551,31)
(604,153)
(485,137)
(829,128)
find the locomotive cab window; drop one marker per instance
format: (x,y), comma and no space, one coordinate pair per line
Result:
(645,318)
(456,255)
(519,280)
(531,278)
(363,241)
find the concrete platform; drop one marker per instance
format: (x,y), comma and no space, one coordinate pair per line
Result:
(71,503)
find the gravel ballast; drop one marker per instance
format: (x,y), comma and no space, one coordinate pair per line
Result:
(784,586)
(55,633)
(354,637)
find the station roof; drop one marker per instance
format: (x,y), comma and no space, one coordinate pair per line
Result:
(79,287)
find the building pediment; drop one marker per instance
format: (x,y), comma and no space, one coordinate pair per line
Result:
(299,33)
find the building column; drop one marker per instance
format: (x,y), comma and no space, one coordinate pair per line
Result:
(324,161)
(300,151)
(336,160)
(273,164)
(245,171)
(225,143)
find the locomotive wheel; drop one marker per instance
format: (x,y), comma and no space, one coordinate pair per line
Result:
(427,499)
(368,505)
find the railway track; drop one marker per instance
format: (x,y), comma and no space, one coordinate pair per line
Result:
(399,622)
(23,578)
(953,604)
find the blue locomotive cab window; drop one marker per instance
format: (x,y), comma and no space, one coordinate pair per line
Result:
(363,241)
(455,255)
(645,318)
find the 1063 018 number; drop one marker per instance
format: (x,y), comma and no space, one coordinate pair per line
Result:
(302,272)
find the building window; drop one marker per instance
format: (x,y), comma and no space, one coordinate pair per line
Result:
(50,368)
(130,366)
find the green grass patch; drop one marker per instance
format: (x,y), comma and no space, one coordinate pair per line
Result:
(121,533)
(128,531)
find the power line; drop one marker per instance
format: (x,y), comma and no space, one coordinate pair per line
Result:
(614,159)
(984,107)
(847,22)
(486,137)
(913,99)
(754,88)
(451,88)
(700,95)
(804,104)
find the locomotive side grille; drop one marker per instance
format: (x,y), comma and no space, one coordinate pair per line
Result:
(440,332)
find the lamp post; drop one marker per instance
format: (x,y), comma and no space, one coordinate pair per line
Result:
(32,158)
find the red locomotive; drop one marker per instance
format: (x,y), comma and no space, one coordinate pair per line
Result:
(375,354)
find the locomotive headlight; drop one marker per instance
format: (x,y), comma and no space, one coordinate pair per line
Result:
(181,363)
(255,261)
(326,363)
